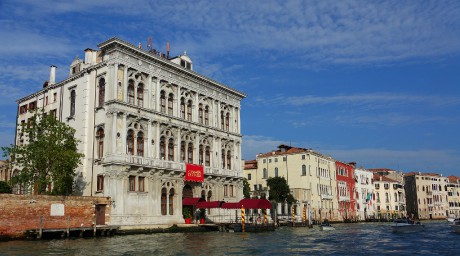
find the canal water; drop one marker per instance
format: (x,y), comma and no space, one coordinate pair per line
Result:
(347,239)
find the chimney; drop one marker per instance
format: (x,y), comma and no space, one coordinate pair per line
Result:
(52,75)
(88,56)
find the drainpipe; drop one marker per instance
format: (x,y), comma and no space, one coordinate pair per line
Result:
(94,124)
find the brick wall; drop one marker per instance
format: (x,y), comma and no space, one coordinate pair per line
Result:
(19,213)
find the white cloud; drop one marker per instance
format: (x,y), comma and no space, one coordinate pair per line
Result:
(373,100)
(321,32)
(254,144)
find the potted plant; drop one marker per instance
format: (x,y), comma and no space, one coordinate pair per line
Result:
(187,215)
(202,216)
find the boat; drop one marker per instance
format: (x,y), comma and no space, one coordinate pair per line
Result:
(452,219)
(406,225)
(326,226)
(456,226)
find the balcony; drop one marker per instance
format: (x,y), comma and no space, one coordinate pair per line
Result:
(163,164)
(344,198)
(326,197)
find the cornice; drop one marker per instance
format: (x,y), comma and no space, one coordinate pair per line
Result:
(114,43)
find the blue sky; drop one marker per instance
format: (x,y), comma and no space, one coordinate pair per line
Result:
(374,82)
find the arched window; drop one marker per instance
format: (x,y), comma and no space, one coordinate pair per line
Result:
(131,92)
(182,108)
(182,151)
(229,160)
(200,155)
(227,122)
(265,173)
(222,120)
(73,96)
(190,153)
(171,150)
(163,201)
(276,171)
(171,201)
(206,115)
(130,142)
(207,157)
(170,104)
(223,158)
(200,113)
(100,143)
(162,102)
(140,144)
(162,148)
(101,91)
(304,170)
(189,110)
(140,95)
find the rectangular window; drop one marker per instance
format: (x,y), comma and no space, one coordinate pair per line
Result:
(32,105)
(303,157)
(255,187)
(46,100)
(264,161)
(284,159)
(270,160)
(55,97)
(231,190)
(276,160)
(141,184)
(225,190)
(132,183)
(100,183)
(249,176)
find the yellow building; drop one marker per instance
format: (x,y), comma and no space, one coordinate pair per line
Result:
(310,175)
(426,195)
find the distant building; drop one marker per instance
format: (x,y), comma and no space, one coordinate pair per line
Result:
(346,193)
(396,193)
(310,175)
(5,173)
(426,195)
(453,196)
(142,117)
(365,191)
(389,194)
(257,185)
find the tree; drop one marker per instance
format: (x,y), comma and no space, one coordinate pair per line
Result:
(49,156)
(246,189)
(4,187)
(279,190)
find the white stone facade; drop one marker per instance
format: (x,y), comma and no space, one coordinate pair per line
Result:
(140,117)
(364,188)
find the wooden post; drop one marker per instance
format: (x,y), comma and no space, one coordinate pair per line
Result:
(68,226)
(242,218)
(40,228)
(94,226)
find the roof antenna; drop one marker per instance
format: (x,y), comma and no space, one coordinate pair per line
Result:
(167,50)
(149,43)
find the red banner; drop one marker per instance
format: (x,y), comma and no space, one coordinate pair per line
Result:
(194,173)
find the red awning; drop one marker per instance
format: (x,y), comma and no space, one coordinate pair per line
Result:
(255,204)
(210,204)
(231,206)
(192,200)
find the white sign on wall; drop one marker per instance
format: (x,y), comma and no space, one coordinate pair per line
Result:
(57,210)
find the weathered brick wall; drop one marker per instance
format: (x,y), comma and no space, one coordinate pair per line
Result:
(19,213)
